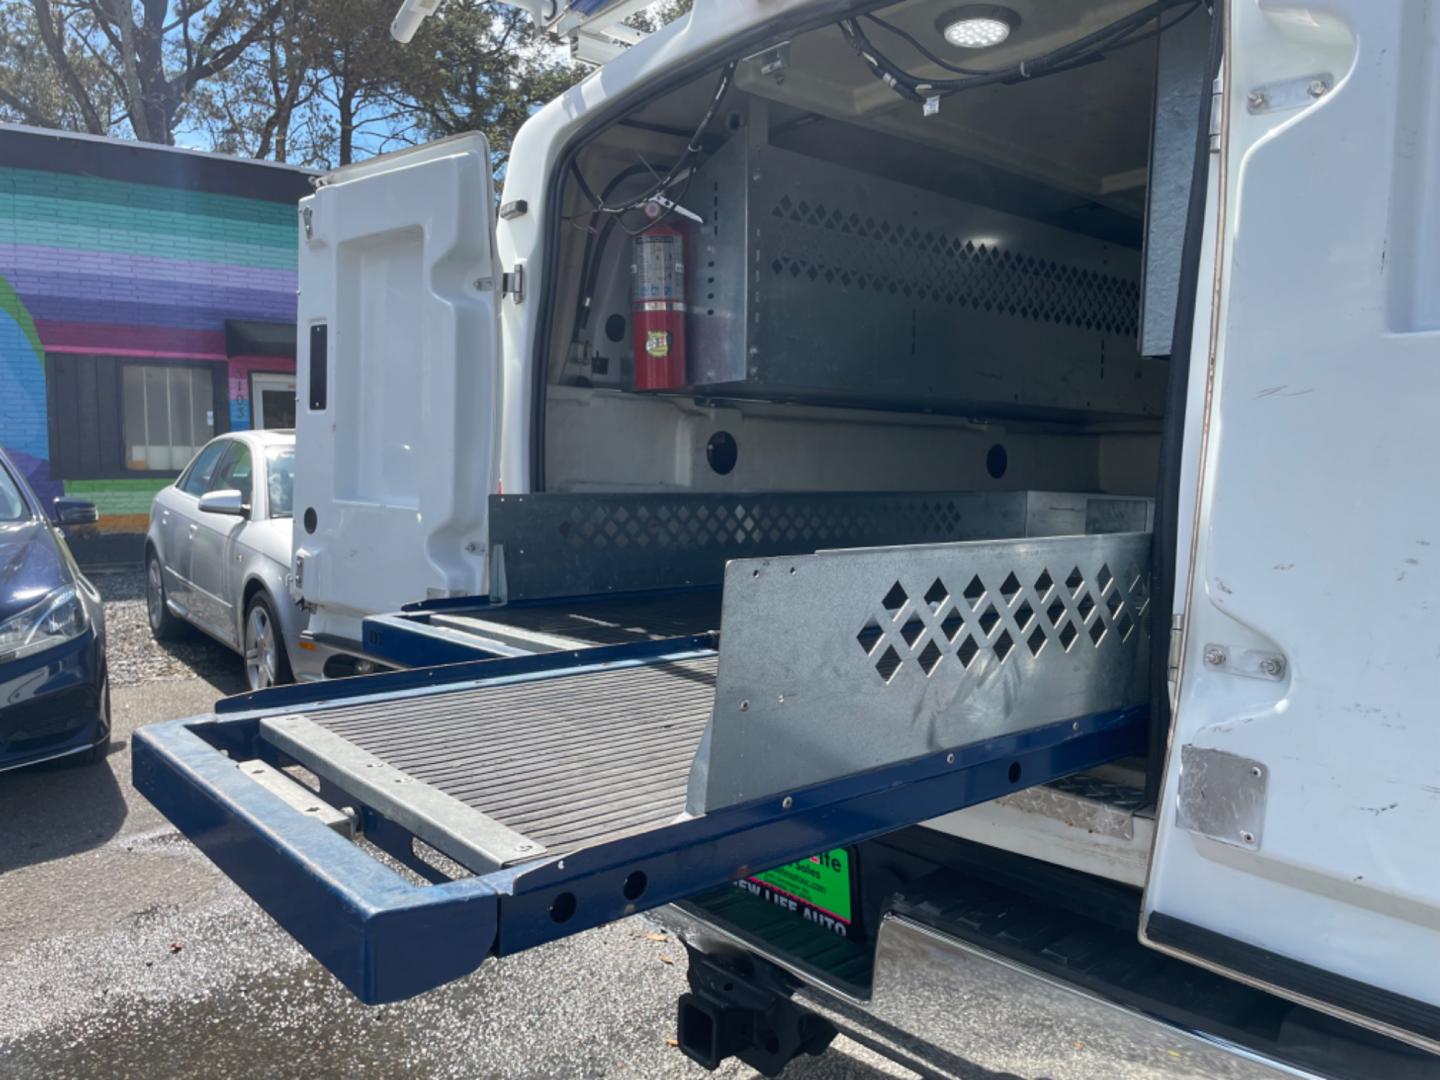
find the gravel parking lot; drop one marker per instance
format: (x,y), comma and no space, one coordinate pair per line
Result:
(125,953)
(136,657)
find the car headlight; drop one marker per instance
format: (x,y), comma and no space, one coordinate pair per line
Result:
(58,618)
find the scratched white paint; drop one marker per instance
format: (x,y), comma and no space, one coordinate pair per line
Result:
(1319,530)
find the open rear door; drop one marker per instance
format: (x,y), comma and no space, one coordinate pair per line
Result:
(397,419)
(1298,844)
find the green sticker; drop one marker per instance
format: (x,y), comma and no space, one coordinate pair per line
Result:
(821,882)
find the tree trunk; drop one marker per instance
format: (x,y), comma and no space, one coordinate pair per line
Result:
(51,35)
(123,16)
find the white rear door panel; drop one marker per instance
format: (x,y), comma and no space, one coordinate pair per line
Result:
(1301,808)
(397,260)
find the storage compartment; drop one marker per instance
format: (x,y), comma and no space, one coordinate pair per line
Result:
(829,666)
(971,293)
(815,281)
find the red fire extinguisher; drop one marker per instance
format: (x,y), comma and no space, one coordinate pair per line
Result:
(658,312)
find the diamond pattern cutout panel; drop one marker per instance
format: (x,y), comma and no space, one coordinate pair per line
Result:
(817,668)
(857,251)
(568,545)
(948,630)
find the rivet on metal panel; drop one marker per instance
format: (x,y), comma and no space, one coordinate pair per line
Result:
(786,803)
(1273,666)
(1255,101)
(1214,655)
(744,706)
(950,759)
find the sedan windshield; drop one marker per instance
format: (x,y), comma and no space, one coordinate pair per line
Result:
(13,506)
(280,468)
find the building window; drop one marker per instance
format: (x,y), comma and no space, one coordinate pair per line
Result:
(113,418)
(169,414)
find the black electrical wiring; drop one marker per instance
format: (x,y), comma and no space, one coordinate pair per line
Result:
(916,44)
(693,147)
(595,241)
(1121,32)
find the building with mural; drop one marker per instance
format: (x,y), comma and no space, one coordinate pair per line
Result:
(147,303)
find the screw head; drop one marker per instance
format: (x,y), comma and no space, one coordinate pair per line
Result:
(950,759)
(1247,836)
(1273,666)
(1317,88)
(1256,99)
(786,803)
(1256,771)
(744,706)
(1214,656)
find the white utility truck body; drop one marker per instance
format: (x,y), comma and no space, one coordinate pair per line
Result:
(1164,309)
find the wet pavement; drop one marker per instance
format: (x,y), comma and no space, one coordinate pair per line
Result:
(124,953)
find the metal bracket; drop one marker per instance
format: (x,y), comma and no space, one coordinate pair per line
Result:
(1247,663)
(772,62)
(1177,641)
(1222,796)
(1217,112)
(512,283)
(1289,94)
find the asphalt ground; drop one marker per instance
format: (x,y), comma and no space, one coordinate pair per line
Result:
(125,953)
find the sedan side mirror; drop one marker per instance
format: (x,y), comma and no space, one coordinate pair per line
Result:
(72,511)
(223,502)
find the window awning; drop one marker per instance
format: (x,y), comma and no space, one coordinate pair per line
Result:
(248,337)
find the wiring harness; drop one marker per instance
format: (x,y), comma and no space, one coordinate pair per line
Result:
(1124,31)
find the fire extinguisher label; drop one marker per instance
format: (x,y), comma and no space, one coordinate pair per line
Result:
(657,344)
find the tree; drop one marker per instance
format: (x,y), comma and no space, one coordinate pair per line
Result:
(659,14)
(105,66)
(33,90)
(314,82)
(478,66)
(252,109)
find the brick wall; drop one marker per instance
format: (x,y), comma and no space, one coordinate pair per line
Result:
(132,254)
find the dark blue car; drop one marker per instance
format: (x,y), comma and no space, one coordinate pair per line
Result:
(54,694)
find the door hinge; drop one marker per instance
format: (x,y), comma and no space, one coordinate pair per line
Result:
(512,283)
(1177,638)
(1217,112)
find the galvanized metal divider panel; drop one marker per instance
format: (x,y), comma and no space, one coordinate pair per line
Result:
(849,660)
(552,545)
(814,281)
(570,545)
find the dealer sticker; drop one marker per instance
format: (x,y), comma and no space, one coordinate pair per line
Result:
(817,888)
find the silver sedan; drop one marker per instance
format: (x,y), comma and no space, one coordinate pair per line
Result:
(217,554)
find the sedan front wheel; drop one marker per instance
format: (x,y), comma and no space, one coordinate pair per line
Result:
(266,663)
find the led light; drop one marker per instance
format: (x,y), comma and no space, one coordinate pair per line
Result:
(978,26)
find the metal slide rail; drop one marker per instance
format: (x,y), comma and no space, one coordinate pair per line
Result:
(387,939)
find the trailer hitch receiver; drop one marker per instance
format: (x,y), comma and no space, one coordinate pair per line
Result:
(730,1012)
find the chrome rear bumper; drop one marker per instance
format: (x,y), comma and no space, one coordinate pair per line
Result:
(946,1008)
